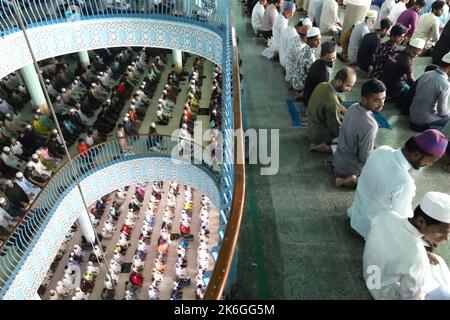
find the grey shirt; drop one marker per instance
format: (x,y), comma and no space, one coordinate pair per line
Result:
(431,99)
(355,141)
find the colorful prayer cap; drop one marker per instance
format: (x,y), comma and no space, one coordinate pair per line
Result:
(432,141)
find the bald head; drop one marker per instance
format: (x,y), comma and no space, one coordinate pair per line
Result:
(344,80)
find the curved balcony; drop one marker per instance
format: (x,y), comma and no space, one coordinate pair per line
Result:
(24,260)
(104,168)
(56,30)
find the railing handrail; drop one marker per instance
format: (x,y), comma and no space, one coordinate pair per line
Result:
(222,267)
(190,11)
(54,178)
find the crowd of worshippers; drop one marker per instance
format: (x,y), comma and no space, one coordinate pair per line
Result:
(30,151)
(114,204)
(399,239)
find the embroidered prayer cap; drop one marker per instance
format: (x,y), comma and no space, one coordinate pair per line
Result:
(372,14)
(19,175)
(312,32)
(432,141)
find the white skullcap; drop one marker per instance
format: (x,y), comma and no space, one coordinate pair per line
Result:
(58,98)
(306,22)
(19,174)
(6,149)
(184,126)
(38,111)
(108,100)
(72,110)
(138,92)
(372,14)
(417,43)
(132,106)
(312,32)
(160,100)
(8,115)
(98,77)
(436,205)
(153,125)
(29,164)
(28,126)
(47,81)
(101,73)
(142,87)
(144,83)
(36,116)
(38,152)
(63,90)
(35,156)
(55,131)
(2,200)
(446,58)
(93,85)
(166,86)
(75,81)
(127,115)
(164,91)
(126,119)
(133,100)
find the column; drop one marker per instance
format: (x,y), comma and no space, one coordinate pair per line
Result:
(177,60)
(86,227)
(34,88)
(84,59)
(355,11)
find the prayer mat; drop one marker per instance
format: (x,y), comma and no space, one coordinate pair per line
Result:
(294,112)
(203,112)
(126,267)
(381,120)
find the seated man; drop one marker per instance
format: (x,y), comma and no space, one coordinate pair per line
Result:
(387,49)
(429,107)
(410,17)
(297,34)
(357,135)
(33,176)
(17,198)
(318,72)
(31,190)
(405,270)
(428,27)
(325,110)
(397,73)
(442,46)
(358,33)
(385,183)
(369,45)
(257,16)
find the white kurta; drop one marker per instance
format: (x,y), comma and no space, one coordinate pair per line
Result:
(257,17)
(30,189)
(329,16)
(314,10)
(384,185)
(358,33)
(394,253)
(287,35)
(278,26)
(396,11)
(427,28)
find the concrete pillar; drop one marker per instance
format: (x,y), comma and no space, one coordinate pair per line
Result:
(84,59)
(86,227)
(177,60)
(34,88)
(355,11)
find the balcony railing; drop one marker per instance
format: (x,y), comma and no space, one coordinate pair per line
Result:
(211,13)
(25,236)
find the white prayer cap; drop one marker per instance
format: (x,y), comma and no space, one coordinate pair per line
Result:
(108,100)
(129,67)
(153,125)
(29,164)
(160,100)
(417,43)
(58,98)
(307,22)
(35,156)
(75,81)
(98,77)
(38,111)
(133,100)
(446,58)
(184,126)
(72,110)
(55,131)
(214,111)
(372,14)
(93,85)
(28,126)
(139,92)
(166,86)
(2,200)
(6,149)
(132,106)
(436,205)
(164,91)
(63,90)
(127,115)
(38,152)
(126,119)
(144,83)
(142,87)
(19,175)
(312,32)
(47,81)
(186,104)
(8,115)
(192,81)
(102,73)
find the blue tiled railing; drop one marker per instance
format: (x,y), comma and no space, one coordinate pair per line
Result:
(211,13)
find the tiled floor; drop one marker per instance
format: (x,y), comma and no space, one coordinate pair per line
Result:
(295,241)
